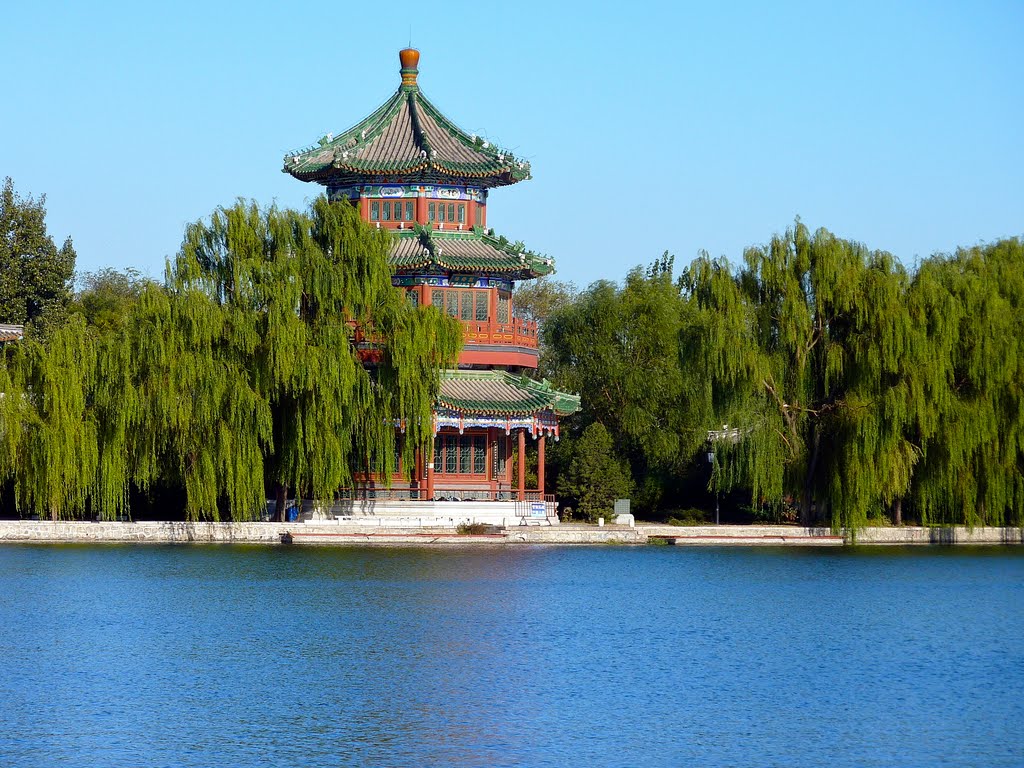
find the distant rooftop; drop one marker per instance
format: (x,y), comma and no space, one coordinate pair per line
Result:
(11,332)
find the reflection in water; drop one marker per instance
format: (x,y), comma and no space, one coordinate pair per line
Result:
(208,656)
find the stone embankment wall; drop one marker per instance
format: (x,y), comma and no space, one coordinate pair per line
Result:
(775,535)
(377,533)
(956,535)
(156,533)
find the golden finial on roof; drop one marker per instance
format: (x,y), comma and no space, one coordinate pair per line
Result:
(410,59)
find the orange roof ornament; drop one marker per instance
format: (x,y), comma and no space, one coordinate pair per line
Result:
(410,59)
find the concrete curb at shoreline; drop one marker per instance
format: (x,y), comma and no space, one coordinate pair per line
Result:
(333,533)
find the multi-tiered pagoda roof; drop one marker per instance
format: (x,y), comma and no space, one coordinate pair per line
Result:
(407,139)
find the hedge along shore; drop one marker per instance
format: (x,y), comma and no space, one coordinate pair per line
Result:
(337,534)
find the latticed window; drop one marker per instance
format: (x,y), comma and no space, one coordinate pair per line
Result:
(374,210)
(408,210)
(431,211)
(387,211)
(440,212)
(461,454)
(481,305)
(437,298)
(452,301)
(462,214)
(479,455)
(414,297)
(451,212)
(467,305)
(503,305)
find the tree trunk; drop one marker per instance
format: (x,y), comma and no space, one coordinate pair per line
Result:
(280,501)
(897,512)
(807,515)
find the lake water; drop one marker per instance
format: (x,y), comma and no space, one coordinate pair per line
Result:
(602,656)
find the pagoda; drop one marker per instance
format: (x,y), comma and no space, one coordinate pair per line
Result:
(412,171)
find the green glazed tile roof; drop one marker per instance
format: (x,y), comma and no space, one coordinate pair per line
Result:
(406,139)
(499,392)
(470,251)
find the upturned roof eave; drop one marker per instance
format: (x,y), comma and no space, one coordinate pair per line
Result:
(537,396)
(497,168)
(518,263)
(418,174)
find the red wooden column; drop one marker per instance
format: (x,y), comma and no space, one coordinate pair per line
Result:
(521,469)
(417,472)
(431,458)
(540,466)
(421,208)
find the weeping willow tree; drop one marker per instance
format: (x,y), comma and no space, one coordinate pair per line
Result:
(48,431)
(247,365)
(969,308)
(806,352)
(299,292)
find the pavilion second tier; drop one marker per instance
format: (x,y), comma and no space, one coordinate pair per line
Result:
(470,275)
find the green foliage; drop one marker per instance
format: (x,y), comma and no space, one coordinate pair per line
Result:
(107,297)
(824,377)
(595,476)
(691,516)
(968,309)
(244,366)
(539,299)
(35,275)
(620,349)
(48,432)
(474,529)
(808,349)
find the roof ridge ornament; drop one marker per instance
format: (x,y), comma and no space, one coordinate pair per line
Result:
(410,59)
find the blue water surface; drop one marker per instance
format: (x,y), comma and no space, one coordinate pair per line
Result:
(603,656)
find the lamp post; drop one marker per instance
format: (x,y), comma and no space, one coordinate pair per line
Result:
(711,461)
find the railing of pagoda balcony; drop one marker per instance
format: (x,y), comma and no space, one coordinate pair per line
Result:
(519,333)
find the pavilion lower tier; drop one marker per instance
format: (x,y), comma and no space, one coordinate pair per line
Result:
(472,465)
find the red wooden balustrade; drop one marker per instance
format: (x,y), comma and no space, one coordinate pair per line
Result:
(518,333)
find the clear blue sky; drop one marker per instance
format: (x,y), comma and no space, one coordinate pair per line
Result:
(650,126)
